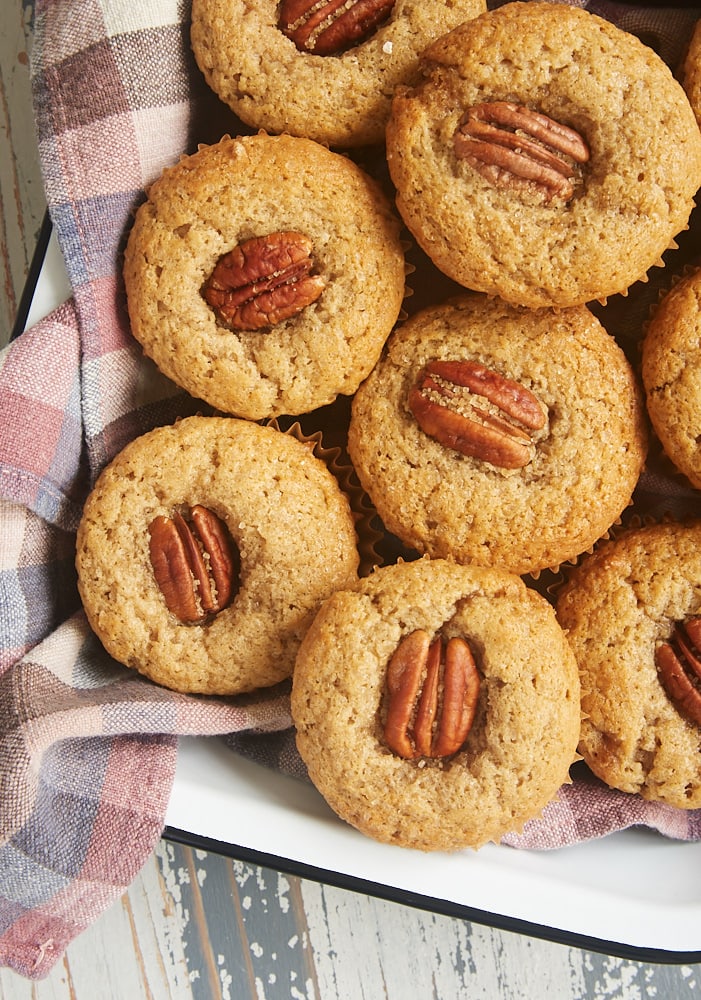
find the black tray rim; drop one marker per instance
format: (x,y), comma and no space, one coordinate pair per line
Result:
(430,904)
(35,266)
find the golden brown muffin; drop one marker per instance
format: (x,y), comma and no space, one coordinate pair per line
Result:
(671,372)
(276,535)
(263,275)
(691,72)
(547,157)
(499,435)
(389,782)
(335,85)
(625,610)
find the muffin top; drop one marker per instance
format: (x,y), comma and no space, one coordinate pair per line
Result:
(499,435)
(522,695)
(634,597)
(314,70)
(671,371)
(205,549)
(690,71)
(541,141)
(263,274)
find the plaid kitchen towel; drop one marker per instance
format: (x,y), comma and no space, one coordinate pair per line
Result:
(87,748)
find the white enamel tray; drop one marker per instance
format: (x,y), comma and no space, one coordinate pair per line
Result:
(632,894)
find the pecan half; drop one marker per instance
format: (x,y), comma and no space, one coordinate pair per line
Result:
(679,664)
(490,417)
(195,562)
(329,27)
(511,145)
(433,688)
(264,281)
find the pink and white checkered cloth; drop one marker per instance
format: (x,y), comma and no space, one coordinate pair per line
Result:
(88,748)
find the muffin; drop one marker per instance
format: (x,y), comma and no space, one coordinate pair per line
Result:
(281,68)
(263,275)
(506,704)
(671,372)
(632,614)
(205,549)
(541,141)
(498,435)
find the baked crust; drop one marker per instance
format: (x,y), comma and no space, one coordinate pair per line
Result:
(343,100)
(637,189)
(587,458)
(671,372)
(522,741)
(284,510)
(236,190)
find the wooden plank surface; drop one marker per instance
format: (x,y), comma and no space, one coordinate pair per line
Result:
(198,926)
(21,190)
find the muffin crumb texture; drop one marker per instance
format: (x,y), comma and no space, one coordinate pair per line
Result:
(671,373)
(581,463)
(618,608)
(256,192)
(524,734)
(291,527)
(341,98)
(495,214)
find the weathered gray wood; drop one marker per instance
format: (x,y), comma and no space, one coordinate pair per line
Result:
(197,925)
(22,200)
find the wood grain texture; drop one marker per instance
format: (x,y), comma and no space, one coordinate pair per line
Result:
(22,202)
(198,926)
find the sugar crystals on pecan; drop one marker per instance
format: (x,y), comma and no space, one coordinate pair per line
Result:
(514,146)
(263,281)
(477,411)
(329,27)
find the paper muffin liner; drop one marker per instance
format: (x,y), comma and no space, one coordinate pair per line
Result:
(548,581)
(672,279)
(662,495)
(327,442)
(626,314)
